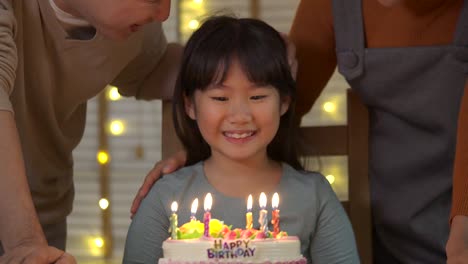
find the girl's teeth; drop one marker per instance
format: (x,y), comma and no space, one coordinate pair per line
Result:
(237,136)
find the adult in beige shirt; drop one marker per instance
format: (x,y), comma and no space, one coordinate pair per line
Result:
(54,56)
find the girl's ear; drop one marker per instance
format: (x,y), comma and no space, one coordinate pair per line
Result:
(189,107)
(285,102)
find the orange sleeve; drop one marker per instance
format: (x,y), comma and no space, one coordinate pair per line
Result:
(312,33)
(460,176)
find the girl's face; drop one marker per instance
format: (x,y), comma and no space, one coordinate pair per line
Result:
(237,118)
(117,19)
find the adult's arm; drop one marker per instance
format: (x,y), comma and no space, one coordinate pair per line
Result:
(20,231)
(18,221)
(457,245)
(312,33)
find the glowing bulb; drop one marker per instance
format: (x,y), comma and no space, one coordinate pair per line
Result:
(198,1)
(329,107)
(117,127)
(113,93)
(330,178)
(99,242)
(103,203)
(193,24)
(103,157)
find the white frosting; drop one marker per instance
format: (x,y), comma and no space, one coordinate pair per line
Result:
(239,250)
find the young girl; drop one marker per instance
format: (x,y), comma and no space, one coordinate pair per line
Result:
(233,109)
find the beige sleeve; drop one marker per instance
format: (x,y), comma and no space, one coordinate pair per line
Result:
(131,81)
(8,55)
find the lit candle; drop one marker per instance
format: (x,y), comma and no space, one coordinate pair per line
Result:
(248,216)
(262,219)
(207,216)
(173,219)
(194,210)
(275,214)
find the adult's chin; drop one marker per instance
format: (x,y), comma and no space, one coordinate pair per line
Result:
(117,35)
(389,3)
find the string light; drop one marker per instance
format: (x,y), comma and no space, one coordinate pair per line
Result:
(104,203)
(330,178)
(190,12)
(113,93)
(329,107)
(193,24)
(117,127)
(99,242)
(102,157)
(95,245)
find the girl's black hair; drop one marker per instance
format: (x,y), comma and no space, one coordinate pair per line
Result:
(261,52)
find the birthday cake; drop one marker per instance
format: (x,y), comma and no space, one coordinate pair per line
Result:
(227,245)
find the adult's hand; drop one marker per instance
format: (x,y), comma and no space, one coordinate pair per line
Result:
(162,167)
(457,245)
(36,254)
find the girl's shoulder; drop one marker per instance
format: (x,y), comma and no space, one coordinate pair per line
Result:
(181,176)
(303,176)
(304,180)
(178,180)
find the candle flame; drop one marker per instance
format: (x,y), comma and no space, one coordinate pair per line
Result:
(275,201)
(208,202)
(194,206)
(263,200)
(174,207)
(249,203)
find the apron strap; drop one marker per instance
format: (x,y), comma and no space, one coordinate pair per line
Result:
(349,36)
(461,37)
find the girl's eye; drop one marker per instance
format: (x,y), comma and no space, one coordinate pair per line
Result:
(219,98)
(258,97)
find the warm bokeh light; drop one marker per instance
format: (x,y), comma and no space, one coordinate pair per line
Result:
(193,24)
(249,203)
(330,178)
(117,127)
(208,202)
(102,157)
(263,200)
(329,107)
(104,203)
(190,12)
(95,245)
(113,93)
(99,242)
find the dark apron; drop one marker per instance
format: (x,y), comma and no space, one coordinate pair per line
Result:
(413,95)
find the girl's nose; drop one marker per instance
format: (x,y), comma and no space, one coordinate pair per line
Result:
(240,112)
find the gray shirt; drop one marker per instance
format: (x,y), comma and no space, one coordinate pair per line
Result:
(308,207)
